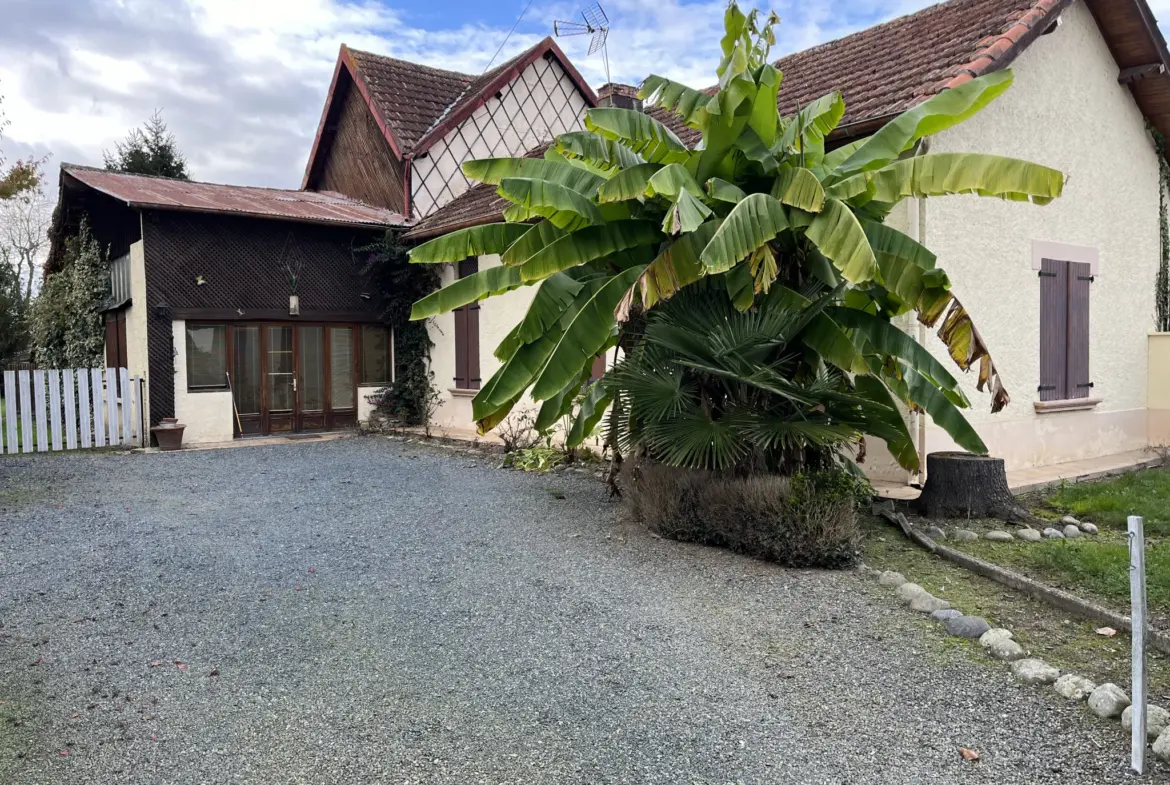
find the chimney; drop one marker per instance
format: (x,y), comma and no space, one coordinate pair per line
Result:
(622,96)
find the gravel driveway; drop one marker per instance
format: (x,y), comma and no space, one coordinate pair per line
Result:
(368,611)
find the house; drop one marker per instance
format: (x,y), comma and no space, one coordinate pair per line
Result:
(202,281)
(1062,294)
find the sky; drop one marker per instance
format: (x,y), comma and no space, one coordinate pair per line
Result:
(241,83)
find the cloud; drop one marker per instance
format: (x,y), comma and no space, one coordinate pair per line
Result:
(242,82)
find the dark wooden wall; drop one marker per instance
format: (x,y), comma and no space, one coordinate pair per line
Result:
(355,159)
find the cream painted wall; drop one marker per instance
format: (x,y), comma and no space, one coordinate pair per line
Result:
(1159,388)
(207,415)
(1065,110)
(136,347)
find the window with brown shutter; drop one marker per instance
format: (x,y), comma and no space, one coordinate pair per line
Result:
(1064,330)
(467,336)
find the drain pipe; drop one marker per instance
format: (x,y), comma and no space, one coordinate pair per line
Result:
(916,224)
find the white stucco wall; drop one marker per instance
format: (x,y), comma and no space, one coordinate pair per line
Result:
(207,415)
(534,107)
(136,346)
(1065,110)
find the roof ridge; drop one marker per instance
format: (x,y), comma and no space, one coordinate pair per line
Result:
(888,23)
(69,167)
(446,71)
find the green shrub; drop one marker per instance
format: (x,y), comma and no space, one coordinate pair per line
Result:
(808,520)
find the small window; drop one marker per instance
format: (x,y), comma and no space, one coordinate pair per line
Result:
(206,357)
(375,367)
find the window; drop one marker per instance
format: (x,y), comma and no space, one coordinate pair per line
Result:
(375,355)
(206,357)
(1064,330)
(341,367)
(467,336)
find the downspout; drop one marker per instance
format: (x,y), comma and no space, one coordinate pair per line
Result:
(916,223)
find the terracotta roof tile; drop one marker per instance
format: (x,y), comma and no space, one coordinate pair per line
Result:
(881,71)
(321,207)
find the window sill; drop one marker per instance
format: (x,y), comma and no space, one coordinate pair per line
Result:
(460,392)
(1066,405)
(197,390)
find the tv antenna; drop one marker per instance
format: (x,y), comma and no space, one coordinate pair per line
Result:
(596,24)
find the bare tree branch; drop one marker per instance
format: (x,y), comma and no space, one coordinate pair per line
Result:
(24,236)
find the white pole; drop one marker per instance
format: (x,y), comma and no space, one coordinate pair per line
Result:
(1137,594)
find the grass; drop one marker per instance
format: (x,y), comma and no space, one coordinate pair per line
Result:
(1110,502)
(4,432)
(1066,641)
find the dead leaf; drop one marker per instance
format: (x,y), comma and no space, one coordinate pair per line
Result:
(156,663)
(64,753)
(35,663)
(966,753)
(74,716)
(182,666)
(1108,632)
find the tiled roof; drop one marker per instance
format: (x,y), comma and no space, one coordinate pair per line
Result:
(320,207)
(881,71)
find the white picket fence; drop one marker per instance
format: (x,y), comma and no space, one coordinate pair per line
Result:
(70,409)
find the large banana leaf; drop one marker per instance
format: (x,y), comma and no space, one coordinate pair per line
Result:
(723,191)
(756,220)
(538,236)
(839,236)
(955,173)
(677,266)
(495,170)
(892,430)
(593,405)
(585,333)
(559,406)
(936,114)
(597,150)
(806,132)
(470,289)
(905,267)
(826,338)
(565,208)
(798,187)
(507,384)
(640,132)
(465,243)
(671,179)
(764,115)
(627,184)
(686,214)
(686,102)
(554,296)
(923,394)
(586,245)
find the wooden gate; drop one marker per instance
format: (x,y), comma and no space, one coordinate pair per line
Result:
(70,409)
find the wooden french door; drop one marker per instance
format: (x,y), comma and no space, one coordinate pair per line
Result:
(291,378)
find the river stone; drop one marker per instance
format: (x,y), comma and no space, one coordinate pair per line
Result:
(1162,746)
(908,591)
(996,633)
(1005,649)
(1108,700)
(967,626)
(1089,528)
(1071,531)
(1157,720)
(996,535)
(1033,671)
(1053,534)
(1074,687)
(946,614)
(926,603)
(935,533)
(1029,535)
(964,535)
(891,578)
(1068,520)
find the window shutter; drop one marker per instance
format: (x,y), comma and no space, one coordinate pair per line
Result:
(467,336)
(1080,281)
(1053,329)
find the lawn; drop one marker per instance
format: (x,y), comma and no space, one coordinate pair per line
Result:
(1110,502)
(4,432)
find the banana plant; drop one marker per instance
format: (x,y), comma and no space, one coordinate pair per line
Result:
(616,220)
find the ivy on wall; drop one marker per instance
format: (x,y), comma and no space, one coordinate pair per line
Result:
(65,319)
(409,399)
(1162,282)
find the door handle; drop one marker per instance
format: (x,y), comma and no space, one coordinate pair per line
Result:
(294,384)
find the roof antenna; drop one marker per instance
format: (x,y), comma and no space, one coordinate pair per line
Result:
(596,24)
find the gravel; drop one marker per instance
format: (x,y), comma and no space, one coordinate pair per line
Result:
(371,611)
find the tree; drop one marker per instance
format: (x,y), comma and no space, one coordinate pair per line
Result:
(21,177)
(760,214)
(151,150)
(65,319)
(13,330)
(24,227)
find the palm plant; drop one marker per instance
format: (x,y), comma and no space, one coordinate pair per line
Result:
(615,221)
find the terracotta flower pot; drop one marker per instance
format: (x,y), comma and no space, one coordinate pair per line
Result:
(169,434)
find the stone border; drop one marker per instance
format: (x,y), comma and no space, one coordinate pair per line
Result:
(1021,583)
(1107,701)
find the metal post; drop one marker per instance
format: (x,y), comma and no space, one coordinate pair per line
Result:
(1137,594)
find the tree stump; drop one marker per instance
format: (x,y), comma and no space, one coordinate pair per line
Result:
(965,485)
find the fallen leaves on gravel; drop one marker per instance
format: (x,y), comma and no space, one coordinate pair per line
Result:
(966,753)
(35,663)
(156,663)
(1108,632)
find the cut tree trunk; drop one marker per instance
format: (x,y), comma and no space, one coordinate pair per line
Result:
(965,485)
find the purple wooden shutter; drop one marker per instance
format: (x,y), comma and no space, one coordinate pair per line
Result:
(1080,280)
(1053,329)
(467,336)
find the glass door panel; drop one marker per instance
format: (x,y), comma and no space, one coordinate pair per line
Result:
(341,392)
(312,369)
(246,378)
(279,369)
